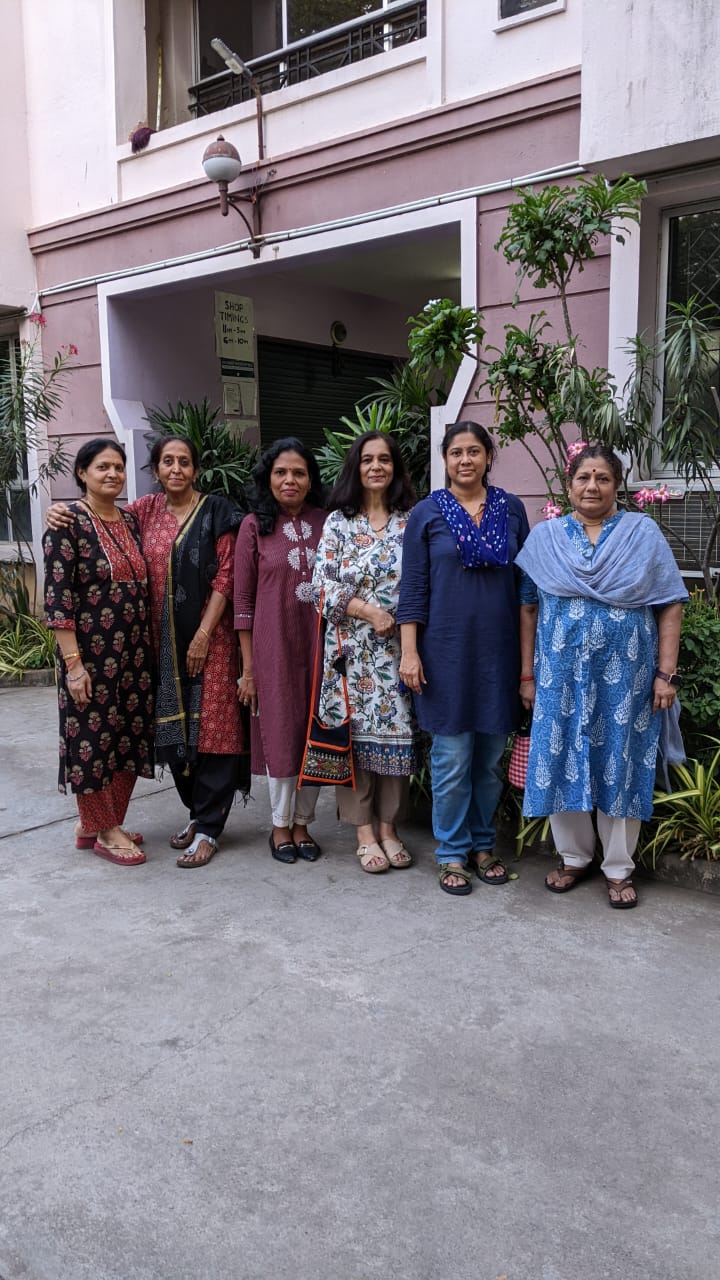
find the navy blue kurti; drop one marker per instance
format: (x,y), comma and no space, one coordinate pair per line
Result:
(468,626)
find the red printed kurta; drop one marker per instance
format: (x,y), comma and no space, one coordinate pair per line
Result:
(274,600)
(220,727)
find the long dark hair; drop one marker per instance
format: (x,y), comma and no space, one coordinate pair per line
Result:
(258,493)
(88,452)
(347,494)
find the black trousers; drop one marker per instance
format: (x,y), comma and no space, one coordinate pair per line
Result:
(208,790)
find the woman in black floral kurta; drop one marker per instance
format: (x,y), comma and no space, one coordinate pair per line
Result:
(96,601)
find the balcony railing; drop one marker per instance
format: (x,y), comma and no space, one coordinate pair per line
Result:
(391,28)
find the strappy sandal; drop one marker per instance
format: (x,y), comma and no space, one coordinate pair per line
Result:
(183,839)
(617,886)
(455,869)
(368,853)
(484,862)
(396,854)
(576,875)
(190,859)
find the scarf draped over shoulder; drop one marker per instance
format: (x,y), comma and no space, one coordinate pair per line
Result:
(632,568)
(191,570)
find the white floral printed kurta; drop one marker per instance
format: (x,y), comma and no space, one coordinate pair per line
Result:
(354,561)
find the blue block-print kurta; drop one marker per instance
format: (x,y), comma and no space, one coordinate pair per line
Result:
(595,737)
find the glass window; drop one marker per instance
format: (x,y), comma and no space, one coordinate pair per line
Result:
(514,8)
(305,17)
(15,498)
(694,271)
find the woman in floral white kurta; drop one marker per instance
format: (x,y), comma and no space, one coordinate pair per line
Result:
(354,561)
(358,568)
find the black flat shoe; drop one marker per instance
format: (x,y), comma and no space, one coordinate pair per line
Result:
(308,850)
(282,852)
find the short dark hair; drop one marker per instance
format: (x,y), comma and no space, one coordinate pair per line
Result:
(347,492)
(596,451)
(476,429)
(88,452)
(258,493)
(160,442)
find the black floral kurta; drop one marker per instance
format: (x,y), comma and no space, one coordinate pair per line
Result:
(96,583)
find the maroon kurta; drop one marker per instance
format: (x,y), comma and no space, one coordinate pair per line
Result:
(274,600)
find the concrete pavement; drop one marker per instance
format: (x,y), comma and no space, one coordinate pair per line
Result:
(259,1072)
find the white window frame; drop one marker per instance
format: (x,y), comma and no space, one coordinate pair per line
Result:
(544,10)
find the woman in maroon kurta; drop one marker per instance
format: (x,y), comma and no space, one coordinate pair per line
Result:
(276,620)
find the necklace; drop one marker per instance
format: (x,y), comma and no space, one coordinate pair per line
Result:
(378,528)
(186,512)
(475,516)
(112,520)
(112,536)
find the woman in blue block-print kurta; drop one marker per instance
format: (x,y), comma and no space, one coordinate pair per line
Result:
(608,615)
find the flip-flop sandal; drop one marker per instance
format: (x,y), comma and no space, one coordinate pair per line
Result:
(189,859)
(577,873)
(621,904)
(114,853)
(485,864)
(458,890)
(396,854)
(183,839)
(86,840)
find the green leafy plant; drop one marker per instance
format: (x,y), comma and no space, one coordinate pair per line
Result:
(699,664)
(31,393)
(331,456)
(226,461)
(687,820)
(25,645)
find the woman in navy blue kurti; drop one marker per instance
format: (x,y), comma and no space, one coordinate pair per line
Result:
(459,612)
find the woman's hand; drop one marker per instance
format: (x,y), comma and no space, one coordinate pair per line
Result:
(527,693)
(411,672)
(247,693)
(382,622)
(664,694)
(197,653)
(58,516)
(79,686)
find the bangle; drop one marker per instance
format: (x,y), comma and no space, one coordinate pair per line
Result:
(74,679)
(246,676)
(74,654)
(672,678)
(205,633)
(523,679)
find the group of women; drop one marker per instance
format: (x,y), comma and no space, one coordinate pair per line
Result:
(441,616)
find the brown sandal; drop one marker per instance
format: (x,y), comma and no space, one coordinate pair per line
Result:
(183,839)
(619,903)
(576,875)
(199,853)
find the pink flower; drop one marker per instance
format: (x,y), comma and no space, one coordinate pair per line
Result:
(36,317)
(577,446)
(551,511)
(70,348)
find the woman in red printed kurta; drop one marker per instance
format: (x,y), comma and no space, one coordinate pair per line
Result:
(276,620)
(189,540)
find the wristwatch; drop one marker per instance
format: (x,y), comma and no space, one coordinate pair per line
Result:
(673,678)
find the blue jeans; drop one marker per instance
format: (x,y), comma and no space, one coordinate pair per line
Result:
(466,787)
